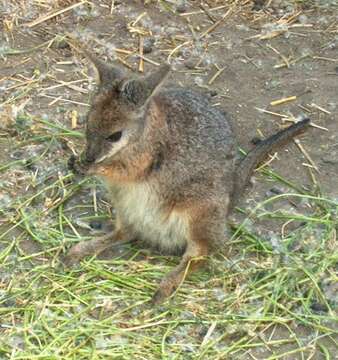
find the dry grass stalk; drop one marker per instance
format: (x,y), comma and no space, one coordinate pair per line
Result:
(216,75)
(270,112)
(324,58)
(202,11)
(172,52)
(217,23)
(148,60)
(124,62)
(123,51)
(320,108)
(69,84)
(112,6)
(133,23)
(292,62)
(74,116)
(209,333)
(311,124)
(268,162)
(281,55)
(283,101)
(65,100)
(53,102)
(305,153)
(141,63)
(53,14)
(208,13)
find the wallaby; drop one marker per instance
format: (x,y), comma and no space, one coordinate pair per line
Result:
(169,160)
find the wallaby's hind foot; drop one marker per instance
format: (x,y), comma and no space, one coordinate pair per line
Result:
(172,281)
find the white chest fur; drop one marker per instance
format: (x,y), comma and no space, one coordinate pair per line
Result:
(139,207)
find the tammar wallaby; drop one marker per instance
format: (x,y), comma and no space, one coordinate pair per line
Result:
(168,160)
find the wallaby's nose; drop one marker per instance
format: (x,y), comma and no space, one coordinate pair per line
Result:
(92,150)
(89,157)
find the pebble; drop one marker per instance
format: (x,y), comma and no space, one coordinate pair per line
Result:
(95,225)
(303,19)
(190,63)
(61,43)
(276,190)
(318,307)
(148,44)
(181,6)
(258,5)
(331,158)
(255,140)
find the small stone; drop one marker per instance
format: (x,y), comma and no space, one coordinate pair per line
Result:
(61,43)
(30,165)
(148,44)
(303,19)
(255,140)
(318,307)
(331,158)
(95,225)
(190,63)
(276,3)
(290,9)
(181,7)
(258,5)
(276,190)
(82,119)
(331,105)
(17,154)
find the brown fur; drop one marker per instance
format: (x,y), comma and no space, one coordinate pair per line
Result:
(168,159)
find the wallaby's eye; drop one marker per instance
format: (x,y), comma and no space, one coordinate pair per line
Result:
(114,137)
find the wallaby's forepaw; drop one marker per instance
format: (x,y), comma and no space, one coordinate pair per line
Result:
(76,166)
(71,162)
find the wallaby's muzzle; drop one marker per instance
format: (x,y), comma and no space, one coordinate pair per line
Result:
(92,151)
(88,157)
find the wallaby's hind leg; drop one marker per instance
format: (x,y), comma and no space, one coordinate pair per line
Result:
(203,230)
(97,245)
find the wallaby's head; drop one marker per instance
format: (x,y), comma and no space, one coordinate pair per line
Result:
(115,119)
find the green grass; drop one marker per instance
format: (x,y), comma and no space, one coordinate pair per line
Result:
(257,299)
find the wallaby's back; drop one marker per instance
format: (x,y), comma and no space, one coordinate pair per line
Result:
(203,141)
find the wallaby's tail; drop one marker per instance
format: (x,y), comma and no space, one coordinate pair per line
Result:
(257,155)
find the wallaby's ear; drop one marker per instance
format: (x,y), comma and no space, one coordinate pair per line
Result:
(140,90)
(105,73)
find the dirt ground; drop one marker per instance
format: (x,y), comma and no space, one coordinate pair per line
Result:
(244,54)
